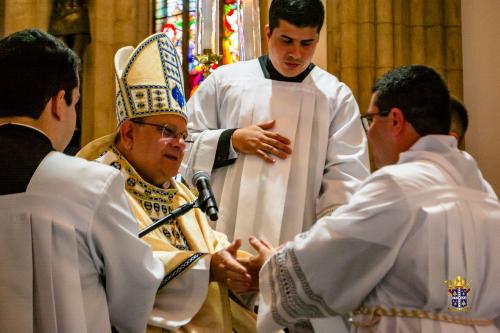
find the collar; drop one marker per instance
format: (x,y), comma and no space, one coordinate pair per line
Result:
(440,144)
(271,73)
(157,202)
(28,126)
(151,196)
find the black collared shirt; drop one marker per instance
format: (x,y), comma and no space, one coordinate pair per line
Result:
(271,73)
(22,149)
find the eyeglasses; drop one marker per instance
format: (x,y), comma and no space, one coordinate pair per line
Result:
(367,119)
(167,131)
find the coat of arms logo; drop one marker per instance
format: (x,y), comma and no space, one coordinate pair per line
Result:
(458,289)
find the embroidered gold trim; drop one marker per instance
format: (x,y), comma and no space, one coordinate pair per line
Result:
(155,201)
(376,313)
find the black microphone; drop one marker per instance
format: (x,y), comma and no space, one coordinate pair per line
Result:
(206,199)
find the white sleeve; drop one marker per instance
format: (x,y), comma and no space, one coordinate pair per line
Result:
(181,299)
(347,163)
(204,128)
(332,268)
(125,263)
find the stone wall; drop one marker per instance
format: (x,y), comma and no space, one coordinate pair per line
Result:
(481,33)
(113,24)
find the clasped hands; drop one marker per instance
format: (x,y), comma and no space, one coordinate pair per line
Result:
(240,275)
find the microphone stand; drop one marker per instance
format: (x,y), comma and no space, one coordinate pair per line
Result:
(179,211)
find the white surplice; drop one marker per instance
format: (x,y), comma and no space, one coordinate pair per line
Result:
(277,201)
(81,267)
(429,218)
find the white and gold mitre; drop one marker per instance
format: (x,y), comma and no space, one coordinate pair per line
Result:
(149,80)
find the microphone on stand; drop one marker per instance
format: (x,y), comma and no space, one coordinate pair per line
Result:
(206,200)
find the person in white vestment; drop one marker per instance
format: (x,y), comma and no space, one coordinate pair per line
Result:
(148,148)
(280,136)
(415,249)
(70,260)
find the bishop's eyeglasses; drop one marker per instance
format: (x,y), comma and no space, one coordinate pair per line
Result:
(167,131)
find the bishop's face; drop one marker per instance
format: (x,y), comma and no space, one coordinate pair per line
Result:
(291,48)
(156,153)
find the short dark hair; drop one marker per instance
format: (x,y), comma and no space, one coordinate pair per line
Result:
(459,118)
(301,13)
(420,93)
(34,66)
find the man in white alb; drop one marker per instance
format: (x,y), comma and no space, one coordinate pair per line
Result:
(280,105)
(70,259)
(415,249)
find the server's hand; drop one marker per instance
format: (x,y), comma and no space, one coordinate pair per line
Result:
(258,140)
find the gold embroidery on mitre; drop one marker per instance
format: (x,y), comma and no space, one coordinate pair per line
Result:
(149,80)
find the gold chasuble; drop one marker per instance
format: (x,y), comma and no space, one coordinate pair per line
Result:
(179,244)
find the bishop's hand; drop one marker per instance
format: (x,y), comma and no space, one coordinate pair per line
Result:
(224,268)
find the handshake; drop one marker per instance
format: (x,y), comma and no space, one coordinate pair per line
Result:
(240,274)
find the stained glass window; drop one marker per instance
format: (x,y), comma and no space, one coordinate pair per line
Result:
(169,18)
(174,17)
(231,36)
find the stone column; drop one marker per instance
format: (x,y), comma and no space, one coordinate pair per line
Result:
(264,13)
(113,24)
(19,15)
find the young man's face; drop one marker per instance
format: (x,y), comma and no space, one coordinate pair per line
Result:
(291,48)
(155,157)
